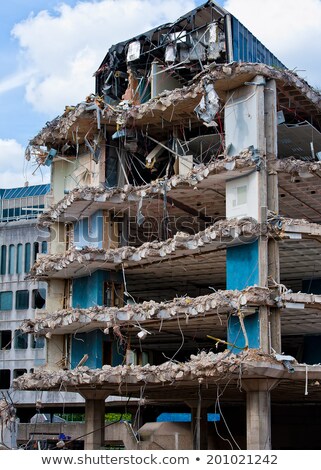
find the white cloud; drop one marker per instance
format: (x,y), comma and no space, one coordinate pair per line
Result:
(290,29)
(65,48)
(14,81)
(15,170)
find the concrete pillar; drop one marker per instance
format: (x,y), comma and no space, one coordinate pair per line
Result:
(94,419)
(258,412)
(270,103)
(246,196)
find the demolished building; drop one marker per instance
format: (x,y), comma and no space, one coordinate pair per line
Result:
(184,266)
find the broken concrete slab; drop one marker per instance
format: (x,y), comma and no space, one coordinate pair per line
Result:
(223,232)
(134,315)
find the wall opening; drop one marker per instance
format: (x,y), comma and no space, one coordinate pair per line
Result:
(5,378)
(19,372)
(5,339)
(38,298)
(35,251)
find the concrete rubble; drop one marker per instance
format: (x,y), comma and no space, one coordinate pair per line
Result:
(8,425)
(199,367)
(223,231)
(187,307)
(130,193)
(59,129)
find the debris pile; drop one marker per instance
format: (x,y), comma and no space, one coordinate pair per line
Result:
(220,232)
(219,74)
(201,366)
(132,193)
(220,301)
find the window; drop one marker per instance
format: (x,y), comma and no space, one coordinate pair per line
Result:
(27,257)
(5,339)
(113,294)
(18,372)
(19,259)
(38,298)
(20,340)
(37,342)
(35,251)
(44,248)
(11,259)
(6,300)
(22,299)
(3,264)
(5,378)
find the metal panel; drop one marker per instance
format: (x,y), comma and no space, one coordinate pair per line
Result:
(247,47)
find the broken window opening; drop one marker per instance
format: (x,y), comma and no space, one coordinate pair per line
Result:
(35,251)
(38,298)
(113,294)
(18,373)
(5,379)
(5,339)
(67,294)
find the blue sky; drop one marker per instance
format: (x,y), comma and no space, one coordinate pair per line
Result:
(49,50)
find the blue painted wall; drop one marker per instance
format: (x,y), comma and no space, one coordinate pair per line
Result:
(88,291)
(242,270)
(92,343)
(87,343)
(184,417)
(89,231)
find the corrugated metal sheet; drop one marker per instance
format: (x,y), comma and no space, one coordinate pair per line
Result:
(247,48)
(25,191)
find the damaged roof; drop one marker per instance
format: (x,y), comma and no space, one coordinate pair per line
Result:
(159,111)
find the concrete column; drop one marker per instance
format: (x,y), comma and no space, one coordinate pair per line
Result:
(270,104)
(247,264)
(258,412)
(94,419)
